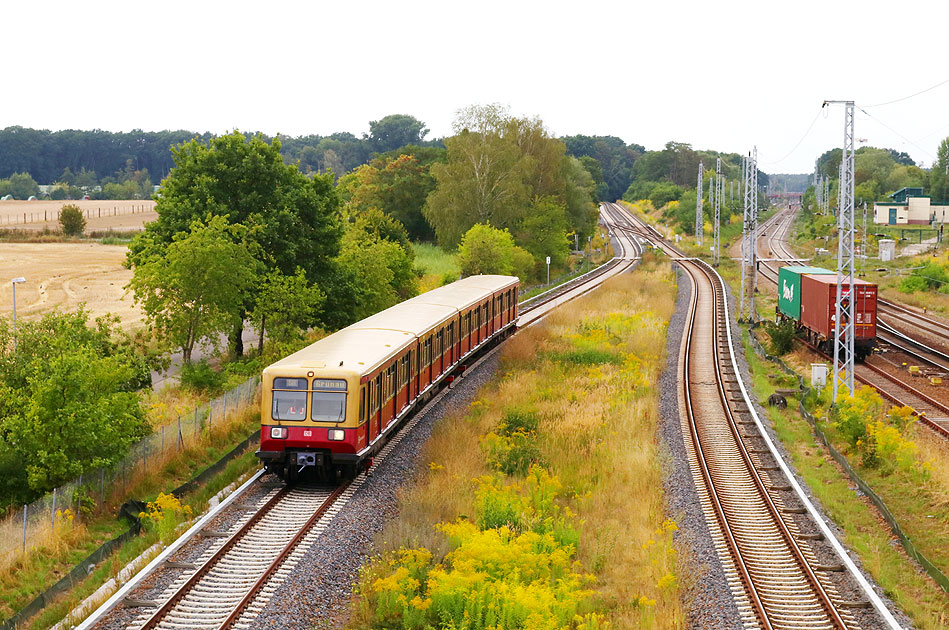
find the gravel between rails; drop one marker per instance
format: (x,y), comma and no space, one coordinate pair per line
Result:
(707,598)
(319,592)
(846,585)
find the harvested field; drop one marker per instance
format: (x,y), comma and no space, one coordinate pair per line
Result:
(65,275)
(100,215)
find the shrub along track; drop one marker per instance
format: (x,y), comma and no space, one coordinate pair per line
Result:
(785,568)
(933,412)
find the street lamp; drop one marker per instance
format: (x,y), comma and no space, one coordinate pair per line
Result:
(16,281)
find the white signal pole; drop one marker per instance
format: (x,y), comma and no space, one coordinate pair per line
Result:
(699,215)
(844,331)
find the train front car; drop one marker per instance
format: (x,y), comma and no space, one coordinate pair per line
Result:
(310,404)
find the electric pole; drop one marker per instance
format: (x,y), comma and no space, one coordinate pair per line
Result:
(844,305)
(699,215)
(718,209)
(749,250)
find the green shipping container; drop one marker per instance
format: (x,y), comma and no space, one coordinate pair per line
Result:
(789,288)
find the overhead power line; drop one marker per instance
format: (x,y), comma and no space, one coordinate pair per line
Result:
(907,97)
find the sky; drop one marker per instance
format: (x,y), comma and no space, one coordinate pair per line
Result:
(726,76)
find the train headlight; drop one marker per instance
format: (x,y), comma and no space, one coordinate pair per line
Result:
(336,435)
(279,433)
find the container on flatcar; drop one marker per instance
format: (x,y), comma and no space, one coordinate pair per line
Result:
(789,288)
(818,304)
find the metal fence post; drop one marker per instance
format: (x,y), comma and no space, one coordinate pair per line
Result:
(24,529)
(162,439)
(225,406)
(52,512)
(180,440)
(101,486)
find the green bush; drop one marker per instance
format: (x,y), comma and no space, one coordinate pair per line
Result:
(200,376)
(71,220)
(782,336)
(931,277)
(519,421)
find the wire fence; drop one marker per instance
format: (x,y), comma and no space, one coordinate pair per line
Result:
(19,217)
(44,521)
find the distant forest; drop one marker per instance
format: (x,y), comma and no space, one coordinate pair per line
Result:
(46,155)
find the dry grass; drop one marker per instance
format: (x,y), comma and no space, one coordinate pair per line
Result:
(597,434)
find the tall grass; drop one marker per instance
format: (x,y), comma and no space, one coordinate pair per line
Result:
(592,424)
(436,265)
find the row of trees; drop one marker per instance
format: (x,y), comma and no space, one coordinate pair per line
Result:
(46,155)
(880,172)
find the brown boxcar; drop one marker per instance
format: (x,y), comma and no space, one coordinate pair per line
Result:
(818,302)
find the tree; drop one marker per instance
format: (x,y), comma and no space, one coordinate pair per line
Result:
(378,272)
(20,185)
(395,130)
(68,401)
(488,250)
(615,157)
(938,178)
(292,219)
(595,169)
(284,306)
(197,289)
(544,231)
(398,186)
(483,180)
(71,220)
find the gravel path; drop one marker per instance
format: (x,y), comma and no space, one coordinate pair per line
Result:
(321,583)
(708,600)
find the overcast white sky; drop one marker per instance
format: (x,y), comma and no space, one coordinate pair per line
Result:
(719,75)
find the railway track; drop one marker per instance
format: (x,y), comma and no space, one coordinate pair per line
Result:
(234,579)
(933,413)
(773,544)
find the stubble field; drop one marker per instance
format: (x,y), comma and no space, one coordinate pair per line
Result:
(100,215)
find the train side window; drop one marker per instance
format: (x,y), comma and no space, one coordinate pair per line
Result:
(362,404)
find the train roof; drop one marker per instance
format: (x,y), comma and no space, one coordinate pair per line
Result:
(357,349)
(364,345)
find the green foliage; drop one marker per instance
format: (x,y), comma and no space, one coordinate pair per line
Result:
(395,130)
(939,180)
(544,231)
(513,449)
(68,401)
(931,277)
(782,336)
(504,171)
(487,250)
(164,515)
(200,376)
(20,185)
(614,157)
(285,306)
(587,357)
(398,186)
(196,289)
(71,220)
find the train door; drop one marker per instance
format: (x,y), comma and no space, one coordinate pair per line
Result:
(363,417)
(377,406)
(440,350)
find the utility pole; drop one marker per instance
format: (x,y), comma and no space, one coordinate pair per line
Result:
(699,215)
(718,209)
(844,306)
(749,249)
(731,191)
(863,241)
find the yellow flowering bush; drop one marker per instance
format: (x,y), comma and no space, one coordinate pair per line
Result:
(164,514)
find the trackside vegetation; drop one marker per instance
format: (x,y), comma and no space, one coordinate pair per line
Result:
(557,520)
(914,488)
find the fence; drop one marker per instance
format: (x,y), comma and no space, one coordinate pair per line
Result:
(42,521)
(18,217)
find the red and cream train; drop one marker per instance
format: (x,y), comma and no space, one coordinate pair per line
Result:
(334,404)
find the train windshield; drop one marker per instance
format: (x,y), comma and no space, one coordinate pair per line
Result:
(289,405)
(329,406)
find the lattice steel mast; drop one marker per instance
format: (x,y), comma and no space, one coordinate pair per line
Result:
(718,209)
(844,306)
(699,215)
(749,251)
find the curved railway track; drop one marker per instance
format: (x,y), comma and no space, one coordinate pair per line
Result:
(933,413)
(233,580)
(768,534)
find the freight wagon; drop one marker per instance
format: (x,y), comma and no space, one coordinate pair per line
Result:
(807,296)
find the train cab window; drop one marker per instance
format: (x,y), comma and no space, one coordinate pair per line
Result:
(289,399)
(328,400)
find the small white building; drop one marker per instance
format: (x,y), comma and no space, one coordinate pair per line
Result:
(909,207)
